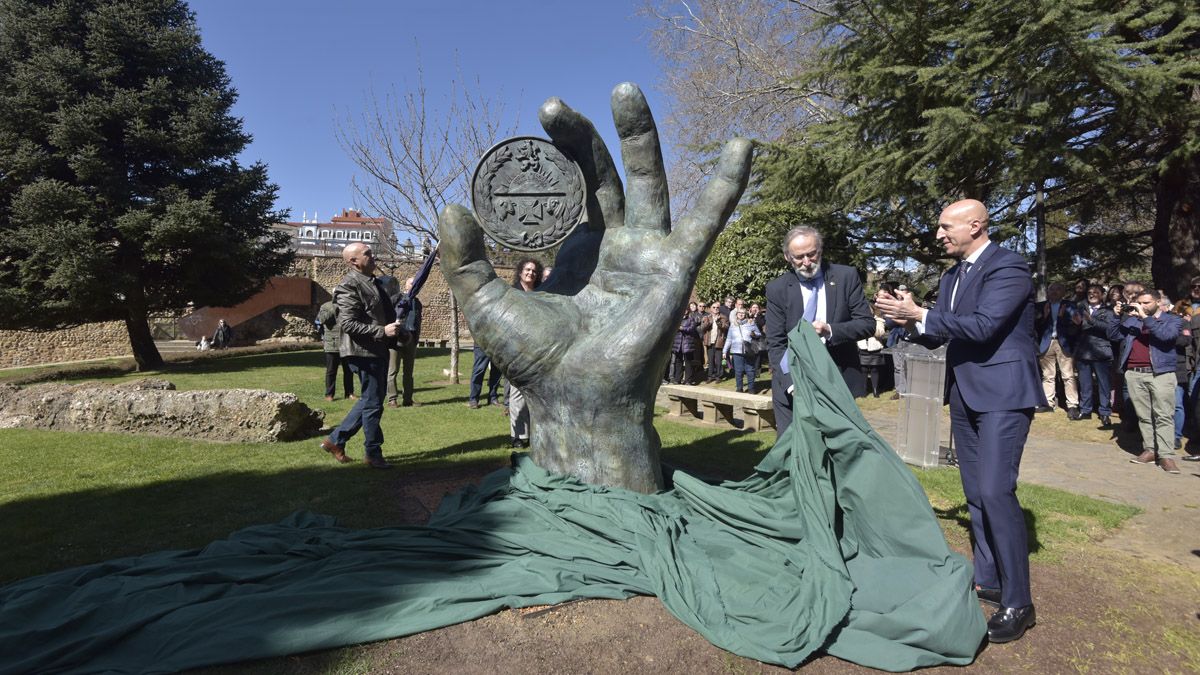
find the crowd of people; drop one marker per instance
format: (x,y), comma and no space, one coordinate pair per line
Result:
(1126,349)
(728,339)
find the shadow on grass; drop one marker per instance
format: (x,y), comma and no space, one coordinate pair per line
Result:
(959,515)
(47,533)
(421,459)
(729,455)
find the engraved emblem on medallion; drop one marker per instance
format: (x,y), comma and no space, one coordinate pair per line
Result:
(527,194)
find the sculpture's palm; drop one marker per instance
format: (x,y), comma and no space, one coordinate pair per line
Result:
(589,347)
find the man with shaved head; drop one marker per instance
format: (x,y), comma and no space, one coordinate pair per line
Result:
(367,316)
(984,315)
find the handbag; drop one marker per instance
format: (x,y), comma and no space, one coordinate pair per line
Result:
(758,345)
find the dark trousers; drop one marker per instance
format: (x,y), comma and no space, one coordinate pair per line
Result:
(332,361)
(482,362)
(780,400)
(368,410)
(1085,370)
(683,367)
(715,372)
(989,446)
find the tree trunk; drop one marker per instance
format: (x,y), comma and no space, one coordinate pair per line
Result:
(1039,217)
(145,352)
(1176,236)
(454,337)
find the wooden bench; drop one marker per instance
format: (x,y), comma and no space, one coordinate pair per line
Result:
(717,405)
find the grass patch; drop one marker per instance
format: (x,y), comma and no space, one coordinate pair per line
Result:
(68,499)
(1057,520)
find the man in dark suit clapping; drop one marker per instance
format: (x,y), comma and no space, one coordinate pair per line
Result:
(830,297)
(985,314)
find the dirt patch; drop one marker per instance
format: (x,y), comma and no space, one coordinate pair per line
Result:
(1099,611)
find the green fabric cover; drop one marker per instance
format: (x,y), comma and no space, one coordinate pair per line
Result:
(831,546)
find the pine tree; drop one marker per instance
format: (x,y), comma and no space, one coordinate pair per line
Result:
(1085,107)
(120,191)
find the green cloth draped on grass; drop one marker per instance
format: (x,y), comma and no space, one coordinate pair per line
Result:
(831,546)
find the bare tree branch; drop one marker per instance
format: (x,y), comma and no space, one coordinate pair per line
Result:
(735,66)
(416,151)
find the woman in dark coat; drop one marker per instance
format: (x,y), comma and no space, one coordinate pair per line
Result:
(683,349)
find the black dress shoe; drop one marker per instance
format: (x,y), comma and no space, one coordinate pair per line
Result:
(1072,413)
(1083,416)
(1009,623)
(1043,409)
(989,596)
(1105,421)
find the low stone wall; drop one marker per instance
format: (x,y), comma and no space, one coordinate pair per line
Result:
(107,339)
(89,341)
(326,272)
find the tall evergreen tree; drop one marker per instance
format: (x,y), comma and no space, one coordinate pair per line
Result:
(1081,107)
(120,191)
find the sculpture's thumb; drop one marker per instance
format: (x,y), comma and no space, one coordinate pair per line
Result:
(464,257)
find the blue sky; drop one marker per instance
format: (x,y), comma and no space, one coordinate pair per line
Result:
(299,64)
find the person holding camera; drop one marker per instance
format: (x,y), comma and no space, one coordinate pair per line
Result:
(367,317)
(1094,355)
(1147,357)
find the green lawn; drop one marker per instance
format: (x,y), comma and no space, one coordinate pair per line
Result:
(73,498)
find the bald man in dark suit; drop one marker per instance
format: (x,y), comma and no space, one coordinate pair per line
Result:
(984,315)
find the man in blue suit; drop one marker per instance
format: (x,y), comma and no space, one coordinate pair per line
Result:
(985,314)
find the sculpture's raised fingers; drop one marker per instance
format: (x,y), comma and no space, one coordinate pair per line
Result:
(576,133)
(697,230)
(647,200)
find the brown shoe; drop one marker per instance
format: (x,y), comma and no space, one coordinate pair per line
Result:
(393,404)
(1147,457)
(328,398)
(338,453)
(1168,465)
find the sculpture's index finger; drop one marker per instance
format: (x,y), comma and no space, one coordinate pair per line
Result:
(577,135)
(720,196)
(647,200)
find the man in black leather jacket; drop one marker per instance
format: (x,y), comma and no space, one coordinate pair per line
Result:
(367,316)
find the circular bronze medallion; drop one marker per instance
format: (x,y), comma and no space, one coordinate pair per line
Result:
(527,194)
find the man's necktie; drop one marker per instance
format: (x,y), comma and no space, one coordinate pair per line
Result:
(963,268)
(810,306)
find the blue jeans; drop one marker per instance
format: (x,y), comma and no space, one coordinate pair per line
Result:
(368,410)
(482,361)
(743,366)
(1085,370)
